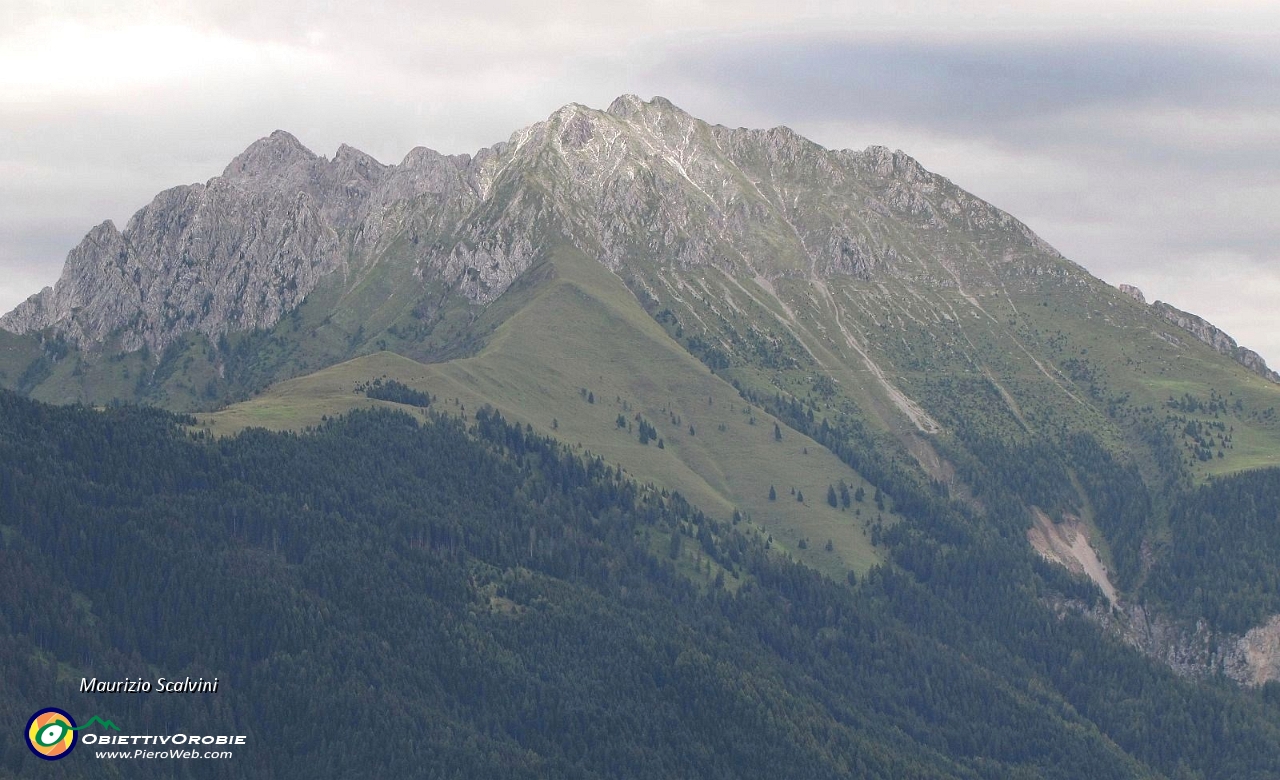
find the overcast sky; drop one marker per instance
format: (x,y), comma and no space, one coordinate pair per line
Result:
(1142,139)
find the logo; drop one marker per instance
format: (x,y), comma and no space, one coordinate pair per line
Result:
(51,733)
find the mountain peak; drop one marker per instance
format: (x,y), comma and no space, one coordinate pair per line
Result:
(625,106)
(893,162)
(570,110)
(662,103)
(629,106)
(284,137)
(349,159)
(347,152)
(278,150)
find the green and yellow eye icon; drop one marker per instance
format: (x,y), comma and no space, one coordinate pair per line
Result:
(51,733)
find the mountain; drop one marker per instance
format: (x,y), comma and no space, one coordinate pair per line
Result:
(247,247)
(235,253)
(733,314)
(644,188)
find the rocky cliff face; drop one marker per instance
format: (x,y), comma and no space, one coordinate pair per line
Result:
(1192,649)
(1206,332)
(1134,293)
(239,251)
(639,186)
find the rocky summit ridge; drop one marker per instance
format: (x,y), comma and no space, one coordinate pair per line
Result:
(1207,333)
(639,186)
(642,181)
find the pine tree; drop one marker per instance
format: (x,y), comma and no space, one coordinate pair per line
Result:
(831,497)
(773,494)
(777,432)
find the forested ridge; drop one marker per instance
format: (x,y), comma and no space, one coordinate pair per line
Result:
(382,597)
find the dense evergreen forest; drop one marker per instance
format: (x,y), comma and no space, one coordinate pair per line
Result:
(1220,562)
(1225,565)
(381,597)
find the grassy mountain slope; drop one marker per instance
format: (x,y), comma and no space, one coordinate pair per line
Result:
(953,343)
(580,334)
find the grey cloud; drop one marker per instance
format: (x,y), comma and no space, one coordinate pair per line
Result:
(978,83)
(1111,99)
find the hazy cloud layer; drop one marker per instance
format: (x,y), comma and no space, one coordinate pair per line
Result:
(1140,138)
